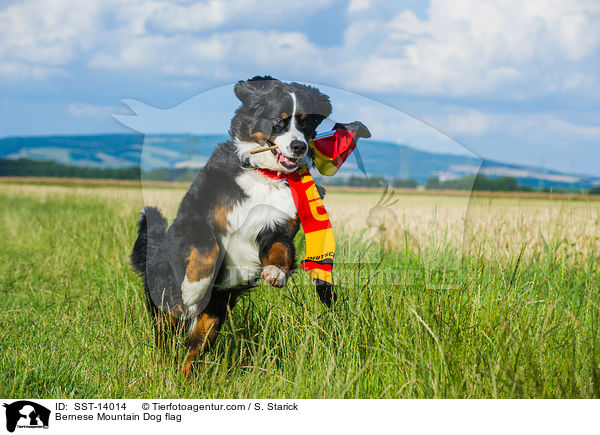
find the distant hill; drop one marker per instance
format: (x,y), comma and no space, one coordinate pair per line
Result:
(111,150)
(189,152)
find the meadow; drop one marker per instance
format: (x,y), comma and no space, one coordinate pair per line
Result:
(441,296)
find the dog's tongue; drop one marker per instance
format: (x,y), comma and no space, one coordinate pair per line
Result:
(284,159)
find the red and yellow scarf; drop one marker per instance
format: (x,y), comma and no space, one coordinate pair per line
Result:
(320,243)
(331,150)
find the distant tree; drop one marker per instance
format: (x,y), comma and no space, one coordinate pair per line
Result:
(465,183)
(404,182)
(371,181)
(502,184)
(476,182)
(594,190)
(432,183)
(505,184)
(158,175)
(187,175)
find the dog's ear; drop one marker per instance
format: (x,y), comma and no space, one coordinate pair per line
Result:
(323,106)
(245,90)
(320,106)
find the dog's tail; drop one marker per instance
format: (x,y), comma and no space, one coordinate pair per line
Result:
(152,230)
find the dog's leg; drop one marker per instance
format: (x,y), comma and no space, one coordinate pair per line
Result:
(201,263)
(277,264)
(277,254)
(203,332)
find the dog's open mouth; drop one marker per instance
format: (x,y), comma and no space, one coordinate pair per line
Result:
(285,161)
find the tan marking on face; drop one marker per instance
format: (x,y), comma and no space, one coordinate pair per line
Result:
(258,137)
(221,213)
(302,116)
(201,264)
(284,115)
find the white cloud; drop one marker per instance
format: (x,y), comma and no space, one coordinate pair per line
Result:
(358,5)
(172,55)
(458,47)
(470,47)
(19,70)
(221,55)
(459,121)
(541,126)
(149,34)
(199,16)
(47,32)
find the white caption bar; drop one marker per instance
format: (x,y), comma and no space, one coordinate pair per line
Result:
(298,416)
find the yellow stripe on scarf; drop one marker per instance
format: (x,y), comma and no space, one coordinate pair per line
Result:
(320,242)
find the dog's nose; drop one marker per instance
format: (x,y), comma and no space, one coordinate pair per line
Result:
(298,147)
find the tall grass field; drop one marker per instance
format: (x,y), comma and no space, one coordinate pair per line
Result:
(439,297)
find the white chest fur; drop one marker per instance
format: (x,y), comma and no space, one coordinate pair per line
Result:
(269,203)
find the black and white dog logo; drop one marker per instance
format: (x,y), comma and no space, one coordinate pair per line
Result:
(26,414)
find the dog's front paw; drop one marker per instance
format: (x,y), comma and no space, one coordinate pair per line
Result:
(274,276)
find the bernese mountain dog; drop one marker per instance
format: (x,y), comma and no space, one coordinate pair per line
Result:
(236,223)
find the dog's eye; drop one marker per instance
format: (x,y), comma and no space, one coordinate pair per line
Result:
(279,122)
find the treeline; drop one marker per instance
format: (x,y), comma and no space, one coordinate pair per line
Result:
(177,174)
(478,182)
(44,168)
(38,168)
(469,182)
(371,181)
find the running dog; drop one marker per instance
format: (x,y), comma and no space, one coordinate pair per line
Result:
(237,221)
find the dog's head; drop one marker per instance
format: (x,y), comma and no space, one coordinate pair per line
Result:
(273,113)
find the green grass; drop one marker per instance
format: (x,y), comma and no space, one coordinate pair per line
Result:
(73,322)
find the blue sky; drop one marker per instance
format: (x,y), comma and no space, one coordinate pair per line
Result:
(512,81)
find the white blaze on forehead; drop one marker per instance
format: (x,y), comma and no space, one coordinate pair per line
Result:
(283,141)
(295,132)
